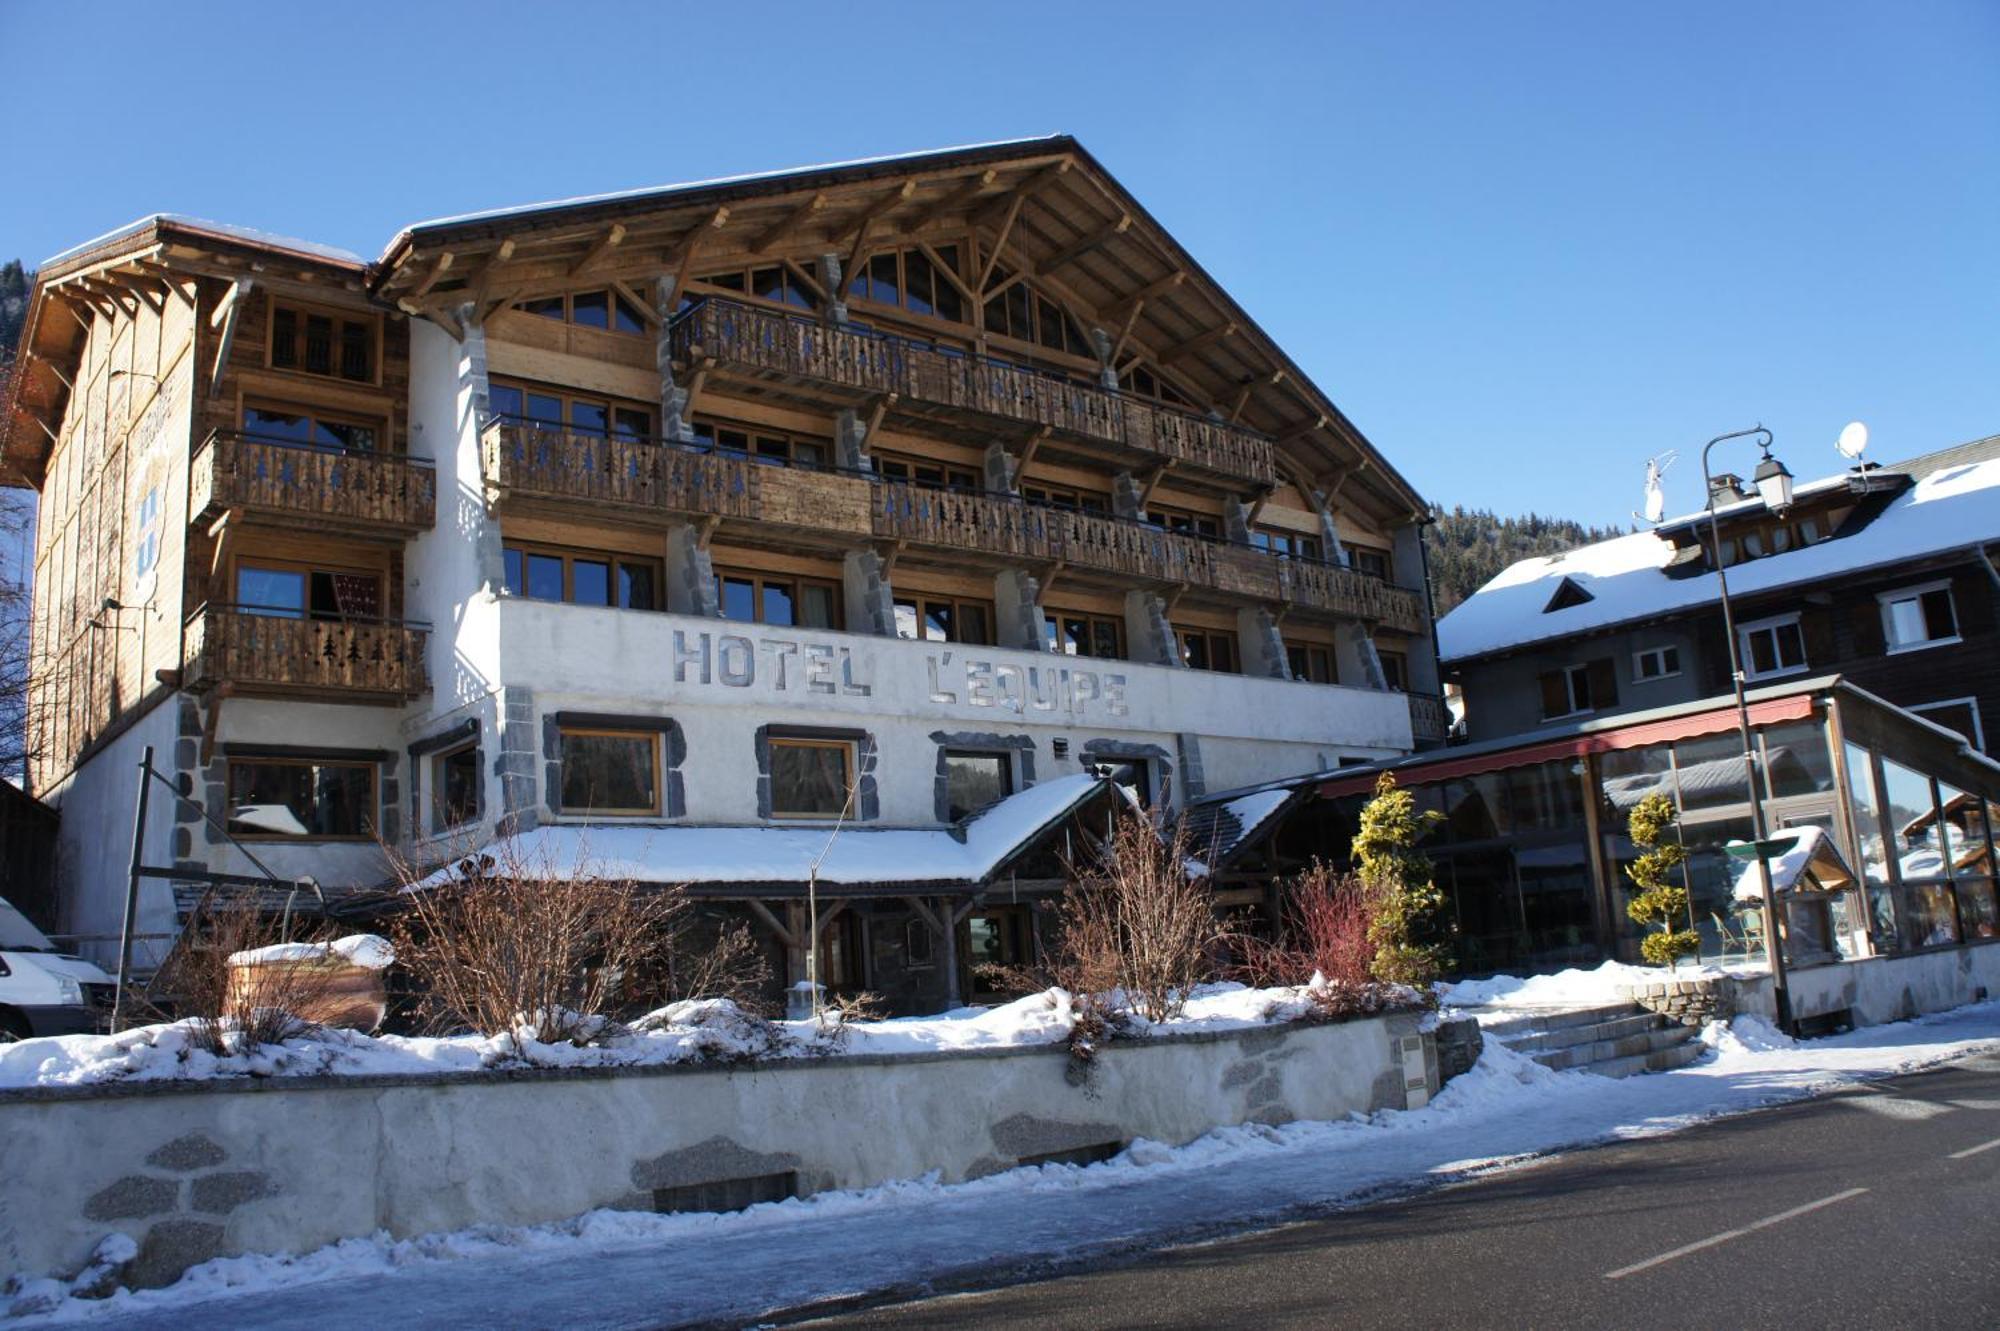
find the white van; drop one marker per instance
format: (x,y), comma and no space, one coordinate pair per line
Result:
(43,992)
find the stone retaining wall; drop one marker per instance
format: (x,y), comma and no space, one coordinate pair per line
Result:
(197,1170)
(1689,1002)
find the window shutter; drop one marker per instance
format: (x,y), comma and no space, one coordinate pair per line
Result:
(1603,684)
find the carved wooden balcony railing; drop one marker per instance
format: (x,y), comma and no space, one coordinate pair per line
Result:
(766,342)
(261,651)
(1430,719)
(1009,527)
(385,492)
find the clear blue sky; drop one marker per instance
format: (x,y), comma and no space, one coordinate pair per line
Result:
(1524,246)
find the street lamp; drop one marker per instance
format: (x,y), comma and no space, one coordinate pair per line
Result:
(1774,487)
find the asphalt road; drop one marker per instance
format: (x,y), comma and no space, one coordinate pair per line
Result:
(1878,1207)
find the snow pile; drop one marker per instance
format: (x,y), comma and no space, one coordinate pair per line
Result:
(1745,1035)
(1598,987)
(367,951)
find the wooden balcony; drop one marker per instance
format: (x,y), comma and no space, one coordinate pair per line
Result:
(923,378)
(347,660)
(367,493)
(1430,720)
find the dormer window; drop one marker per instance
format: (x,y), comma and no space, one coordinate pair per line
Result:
(1568,593)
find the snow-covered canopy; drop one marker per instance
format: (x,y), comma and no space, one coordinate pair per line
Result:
(858,855)
(1949,508)
(1810,862)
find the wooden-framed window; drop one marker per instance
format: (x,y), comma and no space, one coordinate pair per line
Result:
(301,797)
(1774,646)
(1312,662)
(784,283)
(558,409)
(310,427)
(775,448)
(584,577)
(1578,690)
(1650,663)
(995,941)
(778,598)
(1073,633)
(1208,649)
(1067,496)
(1024,314)
(607,772)
(945,619)
(810,778)
(1146,382)
(1367,559)
(289,590)
(908,278)
(1917,617)
(338,344)
(605,309)
(454,786)
(1288,544)
(1187,523)
(975,779)
(1395,670)
(918,471)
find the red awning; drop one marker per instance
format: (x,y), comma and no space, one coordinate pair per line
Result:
(1770,711)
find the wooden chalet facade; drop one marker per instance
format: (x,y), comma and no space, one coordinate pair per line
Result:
(919,480)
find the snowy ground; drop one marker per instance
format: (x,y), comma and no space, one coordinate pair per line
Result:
(1500,996)
(632,1269)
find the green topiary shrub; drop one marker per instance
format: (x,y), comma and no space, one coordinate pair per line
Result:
(1410,928)
(1658,904)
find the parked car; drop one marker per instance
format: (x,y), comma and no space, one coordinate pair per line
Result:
(43,991)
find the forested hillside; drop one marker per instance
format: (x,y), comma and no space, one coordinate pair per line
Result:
(14,284)
(1468,546)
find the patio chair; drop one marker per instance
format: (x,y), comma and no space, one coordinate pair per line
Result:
(1727,939)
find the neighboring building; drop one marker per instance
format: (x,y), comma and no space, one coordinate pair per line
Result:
(1531,848)
(927,479)
(1884,574)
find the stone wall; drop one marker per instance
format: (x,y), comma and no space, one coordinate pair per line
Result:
(1689,1002)
(198,1170)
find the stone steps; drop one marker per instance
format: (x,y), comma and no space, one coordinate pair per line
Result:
(1618,1040)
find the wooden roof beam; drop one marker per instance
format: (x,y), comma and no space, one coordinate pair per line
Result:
(489,270)
(1199,342)
(790,223)
(681,256)
(1151,292)
(965,192)
(1095,240)
(431,278)
(1027,189)
(613,237)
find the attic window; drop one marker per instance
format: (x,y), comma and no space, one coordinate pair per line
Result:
(1568,595)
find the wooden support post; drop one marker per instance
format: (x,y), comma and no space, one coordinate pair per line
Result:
(231,311)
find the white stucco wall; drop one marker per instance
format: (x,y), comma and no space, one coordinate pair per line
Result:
(1875,990)
(259,1167)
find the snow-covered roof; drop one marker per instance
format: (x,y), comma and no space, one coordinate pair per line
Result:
(1810,848)
(858,855)
(1951,508)
(665,192)
(248,235)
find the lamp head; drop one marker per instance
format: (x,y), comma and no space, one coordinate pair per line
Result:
(1774,483)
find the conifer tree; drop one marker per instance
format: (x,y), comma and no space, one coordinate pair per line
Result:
(1410,928)
(1658,903)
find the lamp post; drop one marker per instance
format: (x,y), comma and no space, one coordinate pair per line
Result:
(1774,487)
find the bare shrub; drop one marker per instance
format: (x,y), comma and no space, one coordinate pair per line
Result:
(514,946)
(1325,944)
(235,1009)
(1134,933)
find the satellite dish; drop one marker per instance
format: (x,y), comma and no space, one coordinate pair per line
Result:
(1656,493)
(1853,441)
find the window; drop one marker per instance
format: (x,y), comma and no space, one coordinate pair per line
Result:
(1575,690)
(1288,544)
(1074,634)
(340,346)
(945,619)
(1772,646)
(1312,662)
(285,797)
(768,598)
(1021,313)
(609,310)
(1918,617)
(1186,523)
(1656,663)
(556,409)
(1205,649)
(610,772)
(454,776)
(146,554)
(1132,775)
(975,780)
(1062,496)
(1367,559)
(998,940)
(1144,381)
(784,283)
(916,471)
(308,427)
(774,448)
(300,591)
(1395,669)
(584,577)
(810,778)
(909,278)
